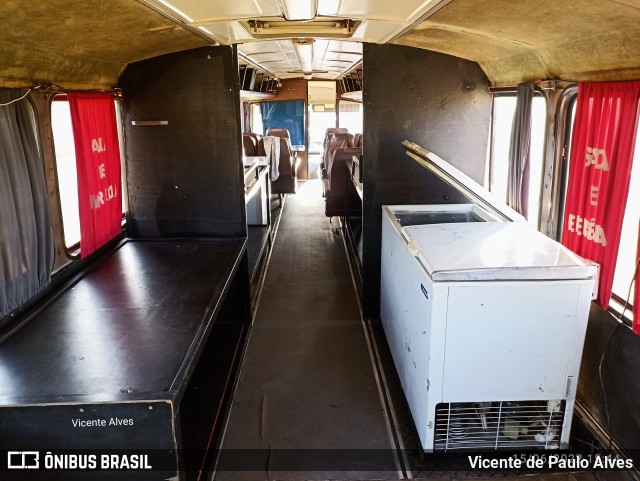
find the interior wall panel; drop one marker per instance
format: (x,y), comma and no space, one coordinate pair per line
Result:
(184,156)
(437,101)
(617,349)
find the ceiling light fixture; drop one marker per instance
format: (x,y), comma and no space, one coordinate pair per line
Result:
(298,9)
(303,47)
(279,29)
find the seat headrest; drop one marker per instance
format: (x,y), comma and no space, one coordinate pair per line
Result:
(279,133)
(342,153)
(336,130)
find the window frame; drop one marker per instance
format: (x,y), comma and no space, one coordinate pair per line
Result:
(338,112)
(304,116)
(511,92)
(72,252)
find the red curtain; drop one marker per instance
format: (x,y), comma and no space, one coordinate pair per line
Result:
(601,154)
(99,176)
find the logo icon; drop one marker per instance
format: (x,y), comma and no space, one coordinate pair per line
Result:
(23,460)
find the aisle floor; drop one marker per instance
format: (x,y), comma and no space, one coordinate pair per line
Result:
(307,404)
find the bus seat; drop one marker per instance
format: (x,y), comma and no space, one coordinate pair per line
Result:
(335,184)
(287,181)
(330,131)
(357,140)
(249,145)
(256,137)
(334,141)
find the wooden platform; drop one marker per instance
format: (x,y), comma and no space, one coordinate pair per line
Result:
(137,353)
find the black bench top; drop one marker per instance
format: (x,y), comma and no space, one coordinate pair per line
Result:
(130,329)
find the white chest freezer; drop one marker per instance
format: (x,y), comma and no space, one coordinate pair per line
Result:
(486,320)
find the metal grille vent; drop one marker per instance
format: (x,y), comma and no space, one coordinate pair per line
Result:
(498,425)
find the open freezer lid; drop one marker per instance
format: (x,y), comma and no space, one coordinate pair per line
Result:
(461,182)
(491,251)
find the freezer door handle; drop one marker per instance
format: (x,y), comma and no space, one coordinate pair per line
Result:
(414,248)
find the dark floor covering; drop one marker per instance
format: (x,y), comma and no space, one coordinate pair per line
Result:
(307,405)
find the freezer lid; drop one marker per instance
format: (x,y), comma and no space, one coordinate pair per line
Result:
(491,251)
(461,182)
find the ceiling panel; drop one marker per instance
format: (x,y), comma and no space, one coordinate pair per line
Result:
(213,11)
(92,40)
(228,22)
(348,57)
(260,47)
(397,11)
(345,46)
(572,40)
(335,66)
(82,45)
(372,31)
(278,57)
(284,67)
(269,57)
(225,33)
(337,62)
(320,48)
(396,15)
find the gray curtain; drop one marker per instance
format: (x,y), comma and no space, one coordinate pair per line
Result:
(518,188)
(26,238)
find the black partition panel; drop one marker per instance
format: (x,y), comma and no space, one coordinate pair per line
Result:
(612,351)
(181,116)
(438,101)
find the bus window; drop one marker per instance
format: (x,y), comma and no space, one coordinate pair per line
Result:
(286,114)
(503,110)
(350,116)
(255,119)
(66,171)
(321,117)
(626,263)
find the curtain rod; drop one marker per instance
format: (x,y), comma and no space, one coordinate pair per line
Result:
(57,89)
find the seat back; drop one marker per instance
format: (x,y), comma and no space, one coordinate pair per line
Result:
(357,140)
(260,147)
(335,141)
(249,145)
(286,163)
(279,133)
(337,187)
(330,131)
(257,137)
(287,180)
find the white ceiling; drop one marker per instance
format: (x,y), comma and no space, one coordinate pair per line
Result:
(331,58)
(228,22)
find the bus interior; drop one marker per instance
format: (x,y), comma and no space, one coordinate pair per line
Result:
(211,215)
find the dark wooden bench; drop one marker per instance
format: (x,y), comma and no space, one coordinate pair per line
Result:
(137,354)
